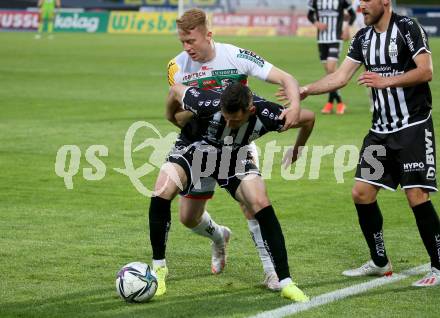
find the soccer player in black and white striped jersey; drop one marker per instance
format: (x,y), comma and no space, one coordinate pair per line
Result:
(328,17)
(400,146)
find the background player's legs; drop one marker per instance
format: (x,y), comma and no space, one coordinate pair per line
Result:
(41,22)
(330,67)
(51,18)
(371,223)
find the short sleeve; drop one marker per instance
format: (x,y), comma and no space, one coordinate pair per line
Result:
(203,103)
(311,5)
(250,63)
(355,48)
(269,113)
(172,69)
(416,38)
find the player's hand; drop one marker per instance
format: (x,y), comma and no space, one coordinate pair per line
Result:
(290,116)
(303,92)
(292,154)
(321,26)
(371,79)
(282,96)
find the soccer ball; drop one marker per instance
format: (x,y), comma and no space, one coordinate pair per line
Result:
(136,282)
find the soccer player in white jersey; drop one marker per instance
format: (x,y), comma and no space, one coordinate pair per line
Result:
(400,147)
(205,63)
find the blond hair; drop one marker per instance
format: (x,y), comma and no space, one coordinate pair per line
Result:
(192,19)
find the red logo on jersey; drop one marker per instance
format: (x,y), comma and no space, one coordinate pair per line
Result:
(211,82)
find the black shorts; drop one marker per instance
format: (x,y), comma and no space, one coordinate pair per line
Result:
(406,158)
(329,51)
(205,165)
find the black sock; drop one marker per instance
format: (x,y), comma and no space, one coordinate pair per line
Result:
(273,240)
(331,97)
(371,222)
(334,96)
(337,97)
(160,222)
(429,229)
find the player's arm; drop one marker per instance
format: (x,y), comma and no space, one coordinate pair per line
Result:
(312,17)
(421,74)
(175,113)
(291,90)
(40,3)
(352,16)
(332,81)
(305,124)
(174,109)
(58,3)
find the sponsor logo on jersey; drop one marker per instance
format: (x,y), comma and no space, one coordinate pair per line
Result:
(225,72)
(208,102)
(409,41)
(413,166)
(226,82)
(215,102)
(194,83)
(251,56)
(406,20)
(265,112)
(430,159)
(201,102)
(210,82)
(194,75)
(194,92)
(393,51)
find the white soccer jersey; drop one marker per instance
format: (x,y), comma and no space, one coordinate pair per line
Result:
(230,64)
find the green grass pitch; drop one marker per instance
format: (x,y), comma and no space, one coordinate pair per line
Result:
(60,249)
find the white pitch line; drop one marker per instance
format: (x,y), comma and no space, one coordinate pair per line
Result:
(340,294)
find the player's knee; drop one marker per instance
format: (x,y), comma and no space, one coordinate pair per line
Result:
(416,196)
(362,196)
(260,203)
(165,190)
(188,220)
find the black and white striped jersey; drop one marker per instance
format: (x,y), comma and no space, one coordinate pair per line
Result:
(330,12)
(211,125)
(392,53)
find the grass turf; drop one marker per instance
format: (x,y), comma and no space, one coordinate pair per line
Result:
(60,249)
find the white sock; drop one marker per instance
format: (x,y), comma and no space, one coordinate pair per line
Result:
(285,282)
(159,263)
(208,228)
(255,231)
